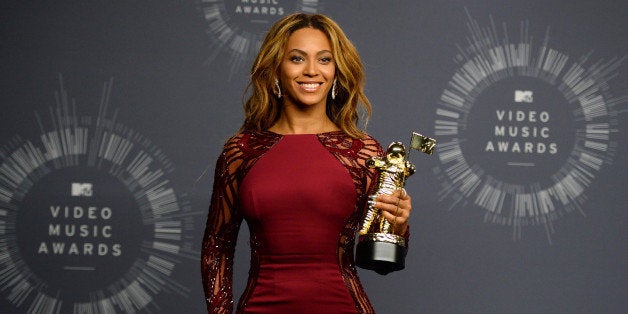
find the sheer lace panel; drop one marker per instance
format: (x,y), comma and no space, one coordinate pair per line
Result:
(224,218)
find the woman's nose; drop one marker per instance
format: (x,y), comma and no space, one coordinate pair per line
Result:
(310,69)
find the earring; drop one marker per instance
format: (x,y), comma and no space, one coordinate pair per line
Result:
(278,92)
(333,90)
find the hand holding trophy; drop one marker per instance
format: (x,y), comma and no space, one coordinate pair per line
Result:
(378,248)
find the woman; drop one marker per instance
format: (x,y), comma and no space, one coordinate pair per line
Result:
(297,173)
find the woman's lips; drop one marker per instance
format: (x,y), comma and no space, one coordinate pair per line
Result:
(310,87)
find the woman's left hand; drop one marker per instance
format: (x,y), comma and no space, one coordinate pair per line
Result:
(396,209)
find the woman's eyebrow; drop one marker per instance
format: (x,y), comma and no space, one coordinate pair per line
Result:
(305,53)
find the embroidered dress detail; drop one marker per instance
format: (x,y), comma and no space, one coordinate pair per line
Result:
(303,197)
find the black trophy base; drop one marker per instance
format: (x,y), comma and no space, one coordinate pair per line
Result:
(381,257)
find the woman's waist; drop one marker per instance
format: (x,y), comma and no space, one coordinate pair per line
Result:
(295,259)
(304,268)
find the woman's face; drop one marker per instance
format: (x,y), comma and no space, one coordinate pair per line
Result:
(307,69)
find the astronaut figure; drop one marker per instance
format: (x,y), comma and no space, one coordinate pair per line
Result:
(393,171)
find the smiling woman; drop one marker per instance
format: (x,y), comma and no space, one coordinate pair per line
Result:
(306,76)
(263,108)
(297,173)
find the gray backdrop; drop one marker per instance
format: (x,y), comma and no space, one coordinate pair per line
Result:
(113,114)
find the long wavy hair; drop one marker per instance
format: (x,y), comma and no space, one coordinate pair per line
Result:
(262,109)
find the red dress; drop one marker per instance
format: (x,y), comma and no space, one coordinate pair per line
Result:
(303,197)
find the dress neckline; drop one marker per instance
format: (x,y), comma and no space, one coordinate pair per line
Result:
(336,132)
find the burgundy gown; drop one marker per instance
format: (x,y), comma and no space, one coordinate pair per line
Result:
(303,197)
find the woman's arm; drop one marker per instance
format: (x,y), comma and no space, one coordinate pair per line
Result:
(221,232)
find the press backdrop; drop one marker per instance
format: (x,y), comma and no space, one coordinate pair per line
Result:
(113,114)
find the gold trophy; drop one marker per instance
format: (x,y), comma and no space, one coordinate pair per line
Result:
(378,248)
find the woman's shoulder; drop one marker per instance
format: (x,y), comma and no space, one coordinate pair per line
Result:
(249,142)
(369,139)
(245,136)
(371,144)
(231,144)
(364,145)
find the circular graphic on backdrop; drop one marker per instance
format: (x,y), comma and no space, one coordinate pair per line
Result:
(89,219)
(523,130)
(511,137)
(70,229)
(238,26)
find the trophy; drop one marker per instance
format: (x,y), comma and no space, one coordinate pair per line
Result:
(378,248)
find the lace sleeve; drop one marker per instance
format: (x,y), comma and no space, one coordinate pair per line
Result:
(221,231)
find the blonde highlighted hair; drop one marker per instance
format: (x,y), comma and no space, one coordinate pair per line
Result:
(262,108)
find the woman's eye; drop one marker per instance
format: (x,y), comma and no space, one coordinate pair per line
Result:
(325,59)
(296,59)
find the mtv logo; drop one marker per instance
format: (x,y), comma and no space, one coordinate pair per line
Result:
(523,96)
(82,189)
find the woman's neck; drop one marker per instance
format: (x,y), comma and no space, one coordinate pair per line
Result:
(299,122)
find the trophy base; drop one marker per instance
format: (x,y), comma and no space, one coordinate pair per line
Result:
(382,257)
